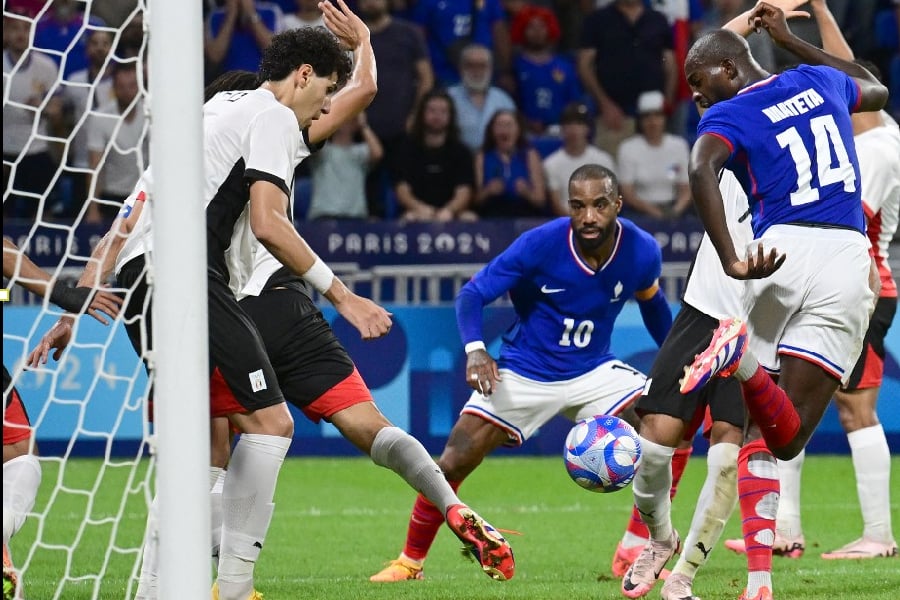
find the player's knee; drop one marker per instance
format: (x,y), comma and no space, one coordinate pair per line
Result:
(662,429)
(723,432)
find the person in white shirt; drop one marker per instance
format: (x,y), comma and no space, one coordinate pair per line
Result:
(575,128)
(653,165)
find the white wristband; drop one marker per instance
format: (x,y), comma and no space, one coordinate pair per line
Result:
(473,346)
(319,276)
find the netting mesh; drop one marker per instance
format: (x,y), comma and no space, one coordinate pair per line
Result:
(76,136)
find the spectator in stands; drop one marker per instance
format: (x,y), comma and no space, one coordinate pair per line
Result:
(546,81)
(131,38)
(653,165)
(339,172)
(28,78)
(237,33)
(475,98)
(118,146)
(398,45)
(82,92)
(451,25)
(63,24)
(575,128)
(306,15)
(508,171)
(626,49)
(434,178)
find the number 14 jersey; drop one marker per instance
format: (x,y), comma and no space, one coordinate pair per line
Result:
(792,148)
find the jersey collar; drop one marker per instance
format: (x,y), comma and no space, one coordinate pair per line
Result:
(581,262)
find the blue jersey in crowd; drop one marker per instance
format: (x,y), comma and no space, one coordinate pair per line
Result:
(565,309)
(792,147)
(545,89)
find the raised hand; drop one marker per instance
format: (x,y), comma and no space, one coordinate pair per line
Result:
(344,24)
(772,19)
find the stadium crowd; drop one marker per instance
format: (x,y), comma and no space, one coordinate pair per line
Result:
(486,106)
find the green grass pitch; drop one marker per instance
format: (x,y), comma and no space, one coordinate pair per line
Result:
(338,520)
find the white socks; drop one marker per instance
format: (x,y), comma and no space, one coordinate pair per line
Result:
(395,449)
(652,485)
(714,507)
(872,464)
(247,497)
(21,480)
(148,584)
(216,483)
(787,523)
(747,367)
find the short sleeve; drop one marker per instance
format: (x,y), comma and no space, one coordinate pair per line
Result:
(716,122)
(272,147)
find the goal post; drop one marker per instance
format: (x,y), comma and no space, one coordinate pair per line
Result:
(101,459)
(180,355)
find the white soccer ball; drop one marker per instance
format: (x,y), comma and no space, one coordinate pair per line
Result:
(602,454)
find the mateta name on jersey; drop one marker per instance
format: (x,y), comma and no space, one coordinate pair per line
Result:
(803,102)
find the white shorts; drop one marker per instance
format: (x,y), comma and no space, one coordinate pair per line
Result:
(817,305)
(520,405)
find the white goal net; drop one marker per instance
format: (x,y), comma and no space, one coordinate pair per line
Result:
(75,139)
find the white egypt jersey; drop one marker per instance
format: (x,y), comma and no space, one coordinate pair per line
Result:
(709,289)
(246,134)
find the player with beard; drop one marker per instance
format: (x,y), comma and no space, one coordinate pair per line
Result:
(568,280)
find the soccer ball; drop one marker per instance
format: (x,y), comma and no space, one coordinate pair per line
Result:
(602,453)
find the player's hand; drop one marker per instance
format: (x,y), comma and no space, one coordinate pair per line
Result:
(75,299)
(56,339)
(482,374)
(344,24)
(371,320)
(772,19)
(758,265)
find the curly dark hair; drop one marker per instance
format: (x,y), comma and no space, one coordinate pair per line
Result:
(418,127)
(314,46)
(231,81)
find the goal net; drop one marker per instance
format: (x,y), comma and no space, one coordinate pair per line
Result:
(76,134)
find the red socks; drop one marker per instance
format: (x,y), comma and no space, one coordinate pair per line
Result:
(679,462)
(424,524)
(758,490)
(771,409)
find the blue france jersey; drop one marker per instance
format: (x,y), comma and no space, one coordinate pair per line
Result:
(565,310)
(792,147)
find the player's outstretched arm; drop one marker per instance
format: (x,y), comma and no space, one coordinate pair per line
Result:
(360,90)
(873,95)
(17,266)
(707,158)
(274,230)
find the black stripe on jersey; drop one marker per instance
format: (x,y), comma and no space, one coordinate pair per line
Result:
(313,148)
(253,175)
(222,213)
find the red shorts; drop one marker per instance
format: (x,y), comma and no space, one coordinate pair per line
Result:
(350,391)
(16,427)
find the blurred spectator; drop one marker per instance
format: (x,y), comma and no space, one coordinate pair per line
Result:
(131,37)
(475,98)
(626,49)
(576,151)
(546,81)
(84,91)
(237,33)
(63,24)
(118,145)
(434,178)
(451,25)
(405,78)
(28,79)
(307,14)
(653,165)
(508,171)
(339,172)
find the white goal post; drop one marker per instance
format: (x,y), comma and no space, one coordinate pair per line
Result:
(83,537)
